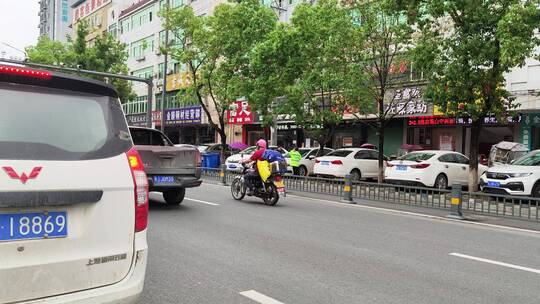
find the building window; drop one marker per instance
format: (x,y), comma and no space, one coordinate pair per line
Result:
(139,105)
(113,31)
(144,73)
(142,47)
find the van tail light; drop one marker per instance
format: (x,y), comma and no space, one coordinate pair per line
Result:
(13,70)
(336,162)
(420,166)
(317,161)
(141,189)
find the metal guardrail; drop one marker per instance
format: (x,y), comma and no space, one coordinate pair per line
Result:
(524,208)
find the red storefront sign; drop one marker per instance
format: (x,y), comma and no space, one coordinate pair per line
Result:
(240,113)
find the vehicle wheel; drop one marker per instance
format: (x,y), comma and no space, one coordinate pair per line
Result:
(536,190)
(273,197)
(441,182)
(174,197)
(238,189)
(302,171)
(355,175)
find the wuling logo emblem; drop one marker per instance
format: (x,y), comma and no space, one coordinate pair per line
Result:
(23,177)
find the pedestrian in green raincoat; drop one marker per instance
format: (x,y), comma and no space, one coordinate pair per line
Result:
(295,160)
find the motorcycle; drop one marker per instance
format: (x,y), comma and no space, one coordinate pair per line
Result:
(268,191)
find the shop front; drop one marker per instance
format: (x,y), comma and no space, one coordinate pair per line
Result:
(240,114)
(187,125)
(530,130)
(453,134)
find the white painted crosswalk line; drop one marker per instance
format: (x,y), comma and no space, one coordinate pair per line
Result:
(259,297)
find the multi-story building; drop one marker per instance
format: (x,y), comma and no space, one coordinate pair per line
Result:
(55,19)
(140,27)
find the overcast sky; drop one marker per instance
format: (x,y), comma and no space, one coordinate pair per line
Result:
(18,24)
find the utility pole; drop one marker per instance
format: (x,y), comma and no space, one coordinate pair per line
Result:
(164,86)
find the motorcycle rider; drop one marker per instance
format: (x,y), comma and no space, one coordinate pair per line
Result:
(253,177)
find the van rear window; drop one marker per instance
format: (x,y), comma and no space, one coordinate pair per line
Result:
(38,123)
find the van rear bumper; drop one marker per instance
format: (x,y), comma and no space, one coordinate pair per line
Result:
(126,291)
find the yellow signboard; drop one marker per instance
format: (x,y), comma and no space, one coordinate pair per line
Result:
(178,81)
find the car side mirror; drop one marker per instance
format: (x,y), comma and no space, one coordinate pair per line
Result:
(311,157)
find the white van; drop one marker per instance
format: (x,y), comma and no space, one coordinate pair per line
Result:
(73,192)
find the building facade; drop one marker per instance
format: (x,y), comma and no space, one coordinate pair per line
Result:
(55,17)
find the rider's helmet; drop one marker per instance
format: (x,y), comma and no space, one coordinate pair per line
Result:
(261,143)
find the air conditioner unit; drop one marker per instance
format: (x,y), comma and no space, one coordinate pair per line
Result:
(140,58)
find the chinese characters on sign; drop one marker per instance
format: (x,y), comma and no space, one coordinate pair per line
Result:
(88,7)
(411,108)
(240,113)
(451,121)
(178,81)
(183,116)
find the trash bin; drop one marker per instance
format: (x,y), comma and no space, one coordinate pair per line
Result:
(210,160)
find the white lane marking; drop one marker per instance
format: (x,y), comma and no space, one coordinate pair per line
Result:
(405,213)
(259,297)
(495,262)
(202,202)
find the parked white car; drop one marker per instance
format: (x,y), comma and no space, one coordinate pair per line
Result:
(522,177)
(359,163)
(232,162)
(430,168)
(73,192)
(307,162)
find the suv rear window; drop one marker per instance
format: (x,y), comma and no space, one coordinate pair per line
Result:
(38,123)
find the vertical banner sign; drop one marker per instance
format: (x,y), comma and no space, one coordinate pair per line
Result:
(240,113)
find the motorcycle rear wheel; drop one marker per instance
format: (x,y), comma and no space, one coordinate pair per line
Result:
(271,198)
(238,189)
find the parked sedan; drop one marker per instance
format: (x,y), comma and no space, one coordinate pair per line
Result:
(307,162)
(360,163)
(522,177)
(430,168)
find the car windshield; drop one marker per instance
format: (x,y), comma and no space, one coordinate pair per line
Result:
(529,159)
(303,152)
(339,153)
(417,156)
(248,150)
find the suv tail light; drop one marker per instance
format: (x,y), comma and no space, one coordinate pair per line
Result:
(336,162)
(198,158)
(141,189)
(420,166)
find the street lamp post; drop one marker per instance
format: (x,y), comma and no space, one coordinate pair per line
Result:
(164,86)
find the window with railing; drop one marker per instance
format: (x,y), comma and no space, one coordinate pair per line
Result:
(142,47)
(137,106)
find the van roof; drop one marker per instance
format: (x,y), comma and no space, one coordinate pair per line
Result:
(53,79)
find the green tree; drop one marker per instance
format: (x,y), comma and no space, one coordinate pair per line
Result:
(215,50)
(308,67)
(465,47)
(382,56)
(106,54)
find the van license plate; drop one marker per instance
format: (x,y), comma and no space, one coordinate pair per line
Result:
(163,179)
(20,226)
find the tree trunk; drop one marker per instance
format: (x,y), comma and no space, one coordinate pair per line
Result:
(473,164)
(380,177)
(223,144)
